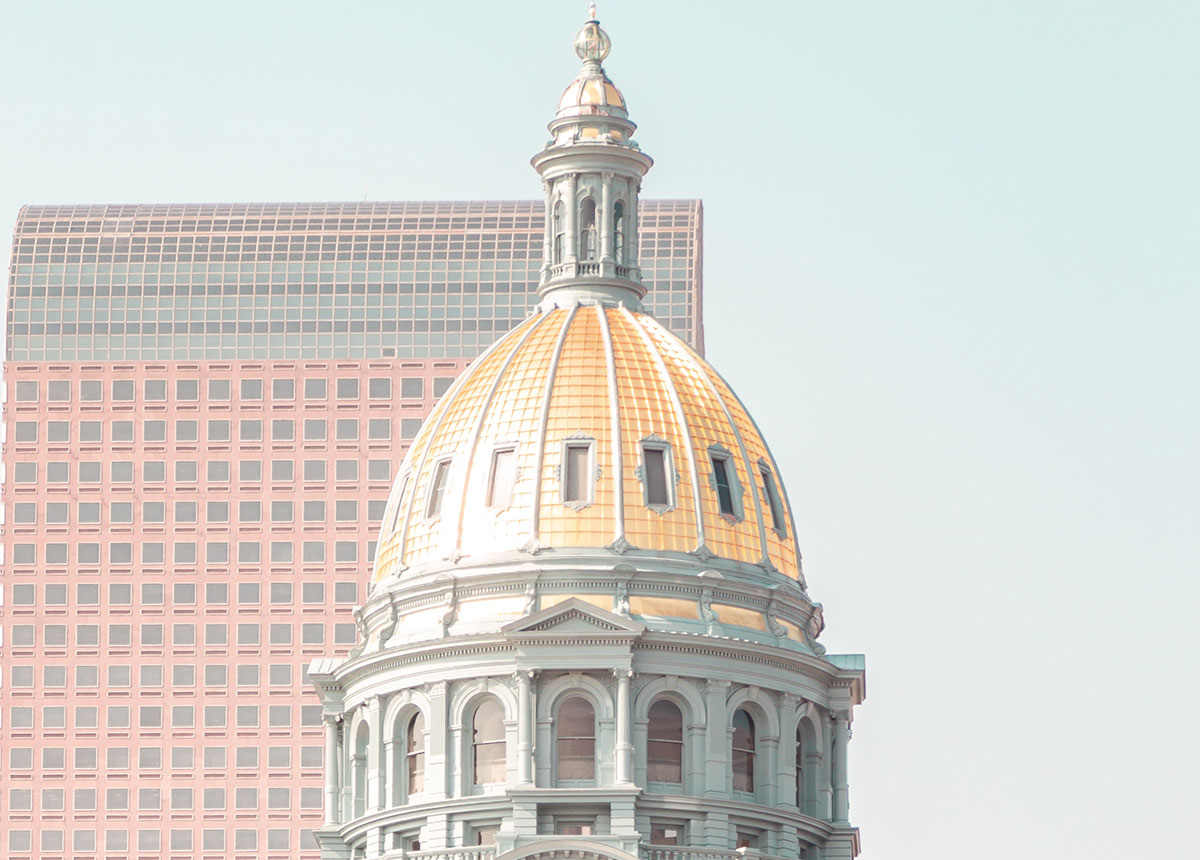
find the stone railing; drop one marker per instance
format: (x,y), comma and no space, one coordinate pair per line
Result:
(481,852)
(671,852)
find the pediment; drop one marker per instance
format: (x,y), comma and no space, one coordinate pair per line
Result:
(573,617)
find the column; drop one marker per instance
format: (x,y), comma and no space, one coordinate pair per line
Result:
(548,233)
(631,232)
(375,800)
(841,787)
(624,748)
(571,183)
(606,217)
(524,729)
(825,778)
(332,765)
(716,758)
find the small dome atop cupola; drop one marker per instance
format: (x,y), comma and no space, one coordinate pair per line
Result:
(592,43)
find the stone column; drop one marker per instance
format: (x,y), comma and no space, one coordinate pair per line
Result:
(548,233)
(524,729)
(572,249)
(332,766)
(825,777)
(375,800)
(716,759)
(631,232)
(841,787)
(606,218)
(624,748)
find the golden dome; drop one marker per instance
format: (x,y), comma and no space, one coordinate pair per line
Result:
(588,94)
(521,454)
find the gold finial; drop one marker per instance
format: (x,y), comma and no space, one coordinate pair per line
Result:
(591,11)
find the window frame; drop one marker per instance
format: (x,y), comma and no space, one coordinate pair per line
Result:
(719,453)
(559,779)
(577,440)
(670,475)
(475,743)
(490,490)
(435,490)
(772,498)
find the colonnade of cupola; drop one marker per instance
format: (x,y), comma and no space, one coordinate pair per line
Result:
(591,227)
(579,724)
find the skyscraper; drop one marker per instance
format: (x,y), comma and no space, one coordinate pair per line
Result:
(590,636)
(205,407)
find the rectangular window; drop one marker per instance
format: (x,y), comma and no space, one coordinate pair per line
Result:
(250,471)
(27,431)
(187,389)
(283,470)
(577,468)
(283,430)
(250,430)
(347,429)
(252,389)
(283,389)
(721,478)
(379,388)
(347,389)
(379,429)
(56,431)
(315,389)
(314,470)
(502,477)
(345,471)
(655,477)
(771,496)
(91,391)
(437,488)
(154,390)
(314,429)
(218,389)
(58,391)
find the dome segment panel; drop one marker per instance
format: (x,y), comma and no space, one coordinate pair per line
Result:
(580,418)
(728,536)
(423,537)
(498,503)
(650,424)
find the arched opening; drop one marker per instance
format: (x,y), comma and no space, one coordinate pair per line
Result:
(576,740)
(560,232)
(489,754)
(588,244)
(799,769)
(619,233)
(359,764)
(743,752)
(414,755)
(664,743)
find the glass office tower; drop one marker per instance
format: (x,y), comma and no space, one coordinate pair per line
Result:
(204,409)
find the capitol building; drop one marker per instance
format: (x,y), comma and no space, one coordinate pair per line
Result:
(589,635)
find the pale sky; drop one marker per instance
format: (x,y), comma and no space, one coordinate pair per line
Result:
(950,266)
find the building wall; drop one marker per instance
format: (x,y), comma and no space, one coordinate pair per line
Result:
(132,690)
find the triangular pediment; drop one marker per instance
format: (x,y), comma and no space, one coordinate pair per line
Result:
(574,616)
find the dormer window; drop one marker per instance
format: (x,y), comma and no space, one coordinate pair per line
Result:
(588,244)
(502,477)
(771,496)
(437,488)
(657,476)
(577,480)
(721,469)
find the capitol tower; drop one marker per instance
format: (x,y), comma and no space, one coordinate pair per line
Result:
(589,635)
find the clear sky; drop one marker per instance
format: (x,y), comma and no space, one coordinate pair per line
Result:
(950,265)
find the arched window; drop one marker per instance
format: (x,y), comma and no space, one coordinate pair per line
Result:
(619,233)
(799,769)
(560,232)
(576,739)
(487,742)
(588,245)
(414,755)
(743,752)
(664,743)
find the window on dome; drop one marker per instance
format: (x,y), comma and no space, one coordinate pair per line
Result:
(619,233)
(560,232)
(502,478)
(771,495)
(743,752)
(664,743)
(437,488)
(576,477)
(722,467)
(656,475)
(359,771)
(488,743)
(587,230)
(576,740)
(414,755)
